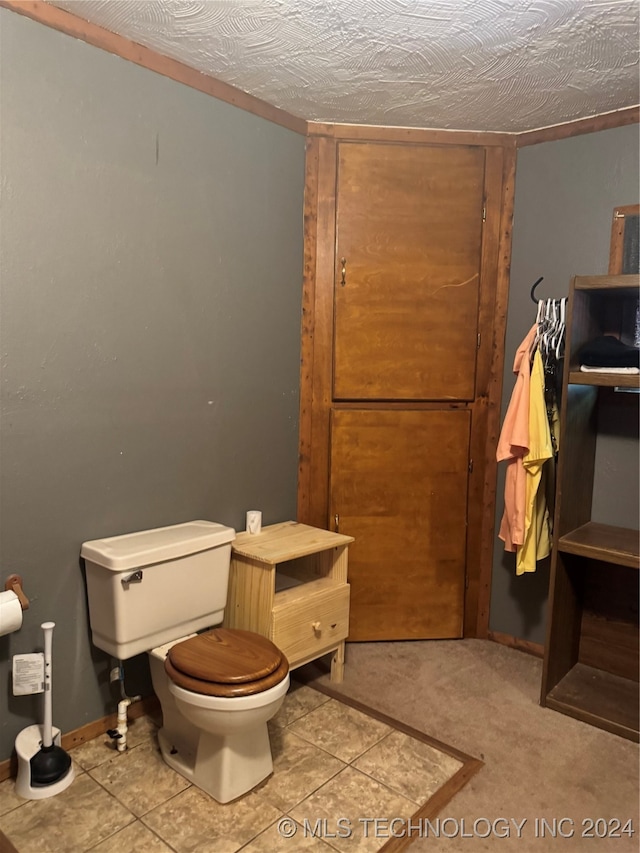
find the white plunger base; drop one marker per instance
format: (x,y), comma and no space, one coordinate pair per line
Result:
(28,743)
(225,766)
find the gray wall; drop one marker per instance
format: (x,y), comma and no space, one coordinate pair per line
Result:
(151,262)
(565,195)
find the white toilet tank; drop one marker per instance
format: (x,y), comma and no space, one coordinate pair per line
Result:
(150,587)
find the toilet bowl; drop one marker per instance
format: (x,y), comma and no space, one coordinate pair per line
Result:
(215,721)
(163,591)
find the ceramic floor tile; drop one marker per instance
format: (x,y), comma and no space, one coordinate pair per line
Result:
(193,822)
(8,798)
(102,748)
(341,730)
(299,701)
(409,766)
(135,838)
(94,752)
(279,838)
(69,822)
(344,810)
(299,768)
(312,739)
(141,730)
(128,774)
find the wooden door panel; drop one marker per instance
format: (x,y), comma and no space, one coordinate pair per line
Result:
(409,226)
(399,486)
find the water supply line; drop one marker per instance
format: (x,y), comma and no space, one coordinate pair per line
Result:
(119,734)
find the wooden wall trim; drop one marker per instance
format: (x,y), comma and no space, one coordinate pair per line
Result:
(494,390)
(378,133)
(71,25)
(5,845)
(310,217)
(478,577)
(315,396)
(606,121)
(535,649)
(435,136)
(150,706)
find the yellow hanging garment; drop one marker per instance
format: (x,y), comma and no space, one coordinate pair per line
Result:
(537,534)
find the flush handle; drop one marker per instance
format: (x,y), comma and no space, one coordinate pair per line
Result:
(136,577)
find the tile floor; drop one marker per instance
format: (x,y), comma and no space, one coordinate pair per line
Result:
(331,762)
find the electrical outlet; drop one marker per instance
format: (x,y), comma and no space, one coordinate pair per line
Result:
(115,674)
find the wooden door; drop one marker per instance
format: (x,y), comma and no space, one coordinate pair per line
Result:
(399,486)
(406,299)
(409,340)
(408,252)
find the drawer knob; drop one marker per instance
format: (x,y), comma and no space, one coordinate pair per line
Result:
(317,627)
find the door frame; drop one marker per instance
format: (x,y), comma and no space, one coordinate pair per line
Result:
(317,350)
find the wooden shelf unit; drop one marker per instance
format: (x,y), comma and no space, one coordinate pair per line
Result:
(617,545)
(591,653)
(605,380)
(289,583)
(597,697)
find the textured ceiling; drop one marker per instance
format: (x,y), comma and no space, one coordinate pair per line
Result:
(500,65)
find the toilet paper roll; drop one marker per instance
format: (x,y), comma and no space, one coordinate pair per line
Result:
(10,613)
(254,521)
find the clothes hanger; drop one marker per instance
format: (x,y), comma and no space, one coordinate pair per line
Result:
(560,331)
(548,327)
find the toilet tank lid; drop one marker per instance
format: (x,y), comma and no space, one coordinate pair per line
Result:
(145,547)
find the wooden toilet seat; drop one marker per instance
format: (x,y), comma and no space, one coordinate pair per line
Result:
(224,662)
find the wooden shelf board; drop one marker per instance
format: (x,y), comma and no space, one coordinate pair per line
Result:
(304,592)
(285,541)
(607,282)
(598,698)
(605,380)
(618,545)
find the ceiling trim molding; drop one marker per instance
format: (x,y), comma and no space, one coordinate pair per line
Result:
(381,133)
(65,22)
(605,121)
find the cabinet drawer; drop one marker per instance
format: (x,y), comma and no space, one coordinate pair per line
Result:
(311,621)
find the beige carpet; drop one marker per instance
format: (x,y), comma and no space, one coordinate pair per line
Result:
(544,774)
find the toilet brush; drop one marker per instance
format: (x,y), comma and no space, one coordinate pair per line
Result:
(51,762)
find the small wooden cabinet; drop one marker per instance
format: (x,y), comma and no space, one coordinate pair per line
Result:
(289,583)
(591,653)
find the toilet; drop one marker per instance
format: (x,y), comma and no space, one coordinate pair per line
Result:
(164,592)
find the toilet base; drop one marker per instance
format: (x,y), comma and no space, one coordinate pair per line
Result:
(225,766)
